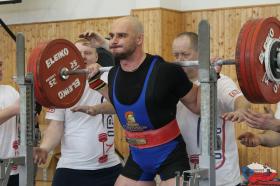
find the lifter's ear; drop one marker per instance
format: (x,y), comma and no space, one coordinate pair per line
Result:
(140,39)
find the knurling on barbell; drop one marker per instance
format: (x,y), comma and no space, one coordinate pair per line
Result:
(60,75)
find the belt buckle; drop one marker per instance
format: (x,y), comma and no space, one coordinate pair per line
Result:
(136,141)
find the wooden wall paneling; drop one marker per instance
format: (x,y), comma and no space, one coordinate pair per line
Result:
(198,16)
(151,19)
(172,25)
(274,158)
(143,17)
(150,44)
(155,32)
(221,36)
(187,22)
(210,16)
(236,28)
(230,38)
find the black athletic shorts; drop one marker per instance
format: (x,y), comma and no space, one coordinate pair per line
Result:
(176,161)
(73,177)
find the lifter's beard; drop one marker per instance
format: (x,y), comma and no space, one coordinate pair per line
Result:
(124,55)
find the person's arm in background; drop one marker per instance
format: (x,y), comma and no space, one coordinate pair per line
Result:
(96,39)
(192,99)
(102,108)
(267,138)
(232,100)
(264,121)
(51,138)
(9,112)
(241,105)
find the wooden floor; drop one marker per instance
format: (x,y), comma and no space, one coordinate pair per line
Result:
(43,183)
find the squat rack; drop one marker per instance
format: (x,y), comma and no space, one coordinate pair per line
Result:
(205,174)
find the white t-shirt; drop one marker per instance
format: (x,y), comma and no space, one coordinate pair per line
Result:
(8,130)
(88,141)
(188,124)
(229,173)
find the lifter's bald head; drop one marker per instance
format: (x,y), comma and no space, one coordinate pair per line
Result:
(126,37)
(131,22)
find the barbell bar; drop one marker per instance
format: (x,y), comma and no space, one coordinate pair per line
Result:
(196,63)
(60,75)
(64,73)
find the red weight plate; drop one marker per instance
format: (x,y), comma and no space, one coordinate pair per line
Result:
(239,57)
(39,94)
(59,54)
(241,67)
(51,58)
(255,97)
(258,69)
(32,67)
